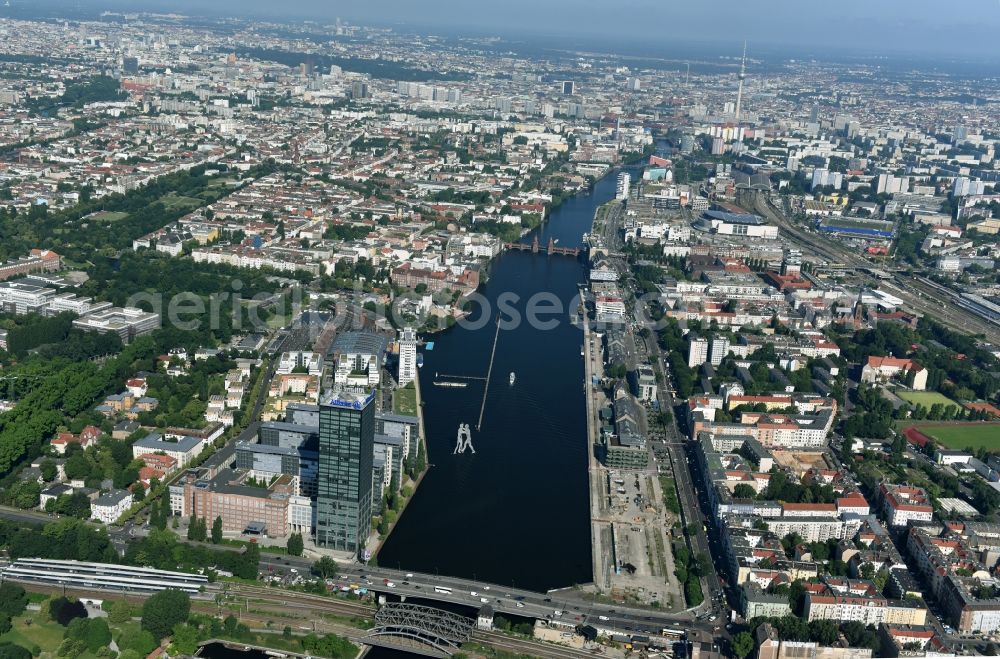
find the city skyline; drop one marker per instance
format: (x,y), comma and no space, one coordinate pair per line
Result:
(916,28)
(727,342)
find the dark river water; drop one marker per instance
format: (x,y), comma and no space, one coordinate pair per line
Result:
(516,511)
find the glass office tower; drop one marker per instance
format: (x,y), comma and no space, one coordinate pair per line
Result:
(344,487)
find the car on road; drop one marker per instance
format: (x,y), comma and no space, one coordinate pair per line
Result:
(603,618)
(520,605)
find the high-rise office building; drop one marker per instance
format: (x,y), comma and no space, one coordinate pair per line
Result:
(359,89)
(344,483)
(568,87)
(407,356)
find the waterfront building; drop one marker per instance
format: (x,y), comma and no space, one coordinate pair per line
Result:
(344,485)
(624,183)
(407,356)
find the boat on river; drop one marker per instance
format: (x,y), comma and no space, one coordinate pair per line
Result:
(450,383)
(512,378)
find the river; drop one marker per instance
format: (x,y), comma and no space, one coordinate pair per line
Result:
(516,511)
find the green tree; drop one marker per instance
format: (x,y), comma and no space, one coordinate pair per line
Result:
(13,599)
(49,470)
(163,512)
(742,644)
(184,639)
(94,633)
(13,651)
(295,544)
(217,530)
(824,632)
(744,491)
(119,612)
(142,643)
(24,494)
(162,611)
(325,568)
(64,610)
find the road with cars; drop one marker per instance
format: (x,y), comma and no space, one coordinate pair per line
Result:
(690,488)
(569,606)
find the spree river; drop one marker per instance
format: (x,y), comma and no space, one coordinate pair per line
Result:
(515,512)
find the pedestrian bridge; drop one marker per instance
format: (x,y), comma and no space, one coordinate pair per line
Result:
(418,629)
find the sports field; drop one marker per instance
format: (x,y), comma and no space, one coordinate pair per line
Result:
(926,398)
(961,435)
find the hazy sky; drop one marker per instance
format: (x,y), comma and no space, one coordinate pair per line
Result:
(965,28)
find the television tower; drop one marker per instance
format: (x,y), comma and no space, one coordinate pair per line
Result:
(743,76)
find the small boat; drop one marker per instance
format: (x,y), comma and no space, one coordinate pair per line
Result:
(448,383)
(420,360)
(512,378)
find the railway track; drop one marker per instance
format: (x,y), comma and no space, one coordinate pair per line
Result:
(308,604)
(292,599)
(530,648)
(915,291)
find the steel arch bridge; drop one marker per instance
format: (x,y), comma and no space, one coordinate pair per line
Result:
(442,632)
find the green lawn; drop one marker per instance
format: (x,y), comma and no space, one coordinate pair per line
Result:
(961,436)
(926,398)
(110,216)
(46,635)
(404,401)
(172,201)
